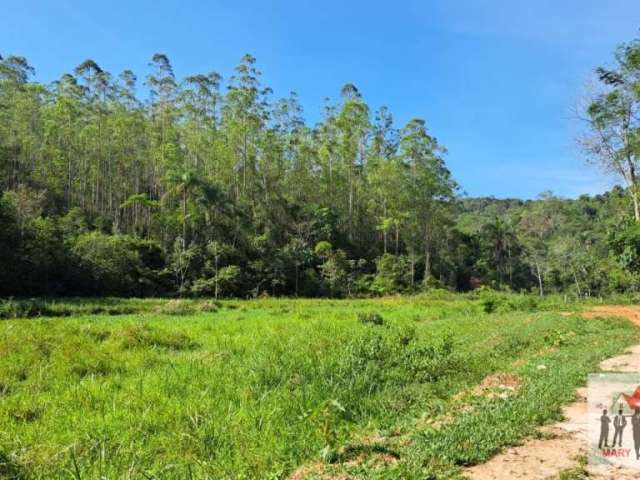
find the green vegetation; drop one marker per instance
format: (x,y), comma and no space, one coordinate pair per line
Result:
(577,473)
(205,187)
(378,388)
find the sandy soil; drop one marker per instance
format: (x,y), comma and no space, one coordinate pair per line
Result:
(545,458)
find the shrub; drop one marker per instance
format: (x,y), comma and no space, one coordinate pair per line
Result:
(494,301)
(115,264)
(392,274)
(225,282)
(323,248)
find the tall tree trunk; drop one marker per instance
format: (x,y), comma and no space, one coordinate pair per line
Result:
(397,226)
(413,271)
(575,278)
(539,275)
(184,219)
(636,202)
(427,254)
(427,265)
(216,277)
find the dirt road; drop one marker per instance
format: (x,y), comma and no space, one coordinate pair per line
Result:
(547,457)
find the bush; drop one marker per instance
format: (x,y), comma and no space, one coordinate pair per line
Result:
(227,281)
(494,301)
(115,264)
(392,274)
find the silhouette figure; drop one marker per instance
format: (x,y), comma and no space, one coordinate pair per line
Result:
(635,427)
(604,429)
(619,422)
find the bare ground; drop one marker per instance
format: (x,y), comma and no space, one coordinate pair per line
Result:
(563,443)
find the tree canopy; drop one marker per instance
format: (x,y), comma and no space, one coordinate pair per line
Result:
(207,186)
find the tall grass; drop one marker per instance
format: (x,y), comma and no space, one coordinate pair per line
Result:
(255,389)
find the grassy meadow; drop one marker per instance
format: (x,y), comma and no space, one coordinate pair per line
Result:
(399,387)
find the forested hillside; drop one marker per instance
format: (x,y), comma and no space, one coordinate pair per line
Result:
(213,186)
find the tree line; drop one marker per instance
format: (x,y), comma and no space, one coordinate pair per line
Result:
(212,186)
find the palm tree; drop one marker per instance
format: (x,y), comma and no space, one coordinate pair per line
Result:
(182,183)
(501,239)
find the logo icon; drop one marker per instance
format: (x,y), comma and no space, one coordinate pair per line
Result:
(614,419)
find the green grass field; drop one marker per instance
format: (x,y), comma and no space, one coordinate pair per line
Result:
(382,388)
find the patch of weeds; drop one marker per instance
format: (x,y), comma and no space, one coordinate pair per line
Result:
(112,310)
(432,361)
(399,358)
(20,373)
(44,346)
(493,301)
(141,336)
(92,366)
(175,307)
(28,415)
(9,468)
(558,338)
(359,452)
(372,318)
(11,308)
(209,306)
(327,419)
(511,346)
(5,389)
(99,335)
(576,473)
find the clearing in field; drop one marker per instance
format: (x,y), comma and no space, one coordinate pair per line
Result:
(385,388)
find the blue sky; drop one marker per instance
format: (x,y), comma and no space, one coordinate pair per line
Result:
(496,80)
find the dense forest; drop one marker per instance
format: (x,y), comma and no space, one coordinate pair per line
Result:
(205,186)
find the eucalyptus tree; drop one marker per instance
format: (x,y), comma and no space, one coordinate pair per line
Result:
(352,123)
(296,167)
(15,69)
(95,137)
(386,176)
(200,104)
(243,117)
(130,149)
(20,103)
(64,163)
(430,188)
(163,92)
